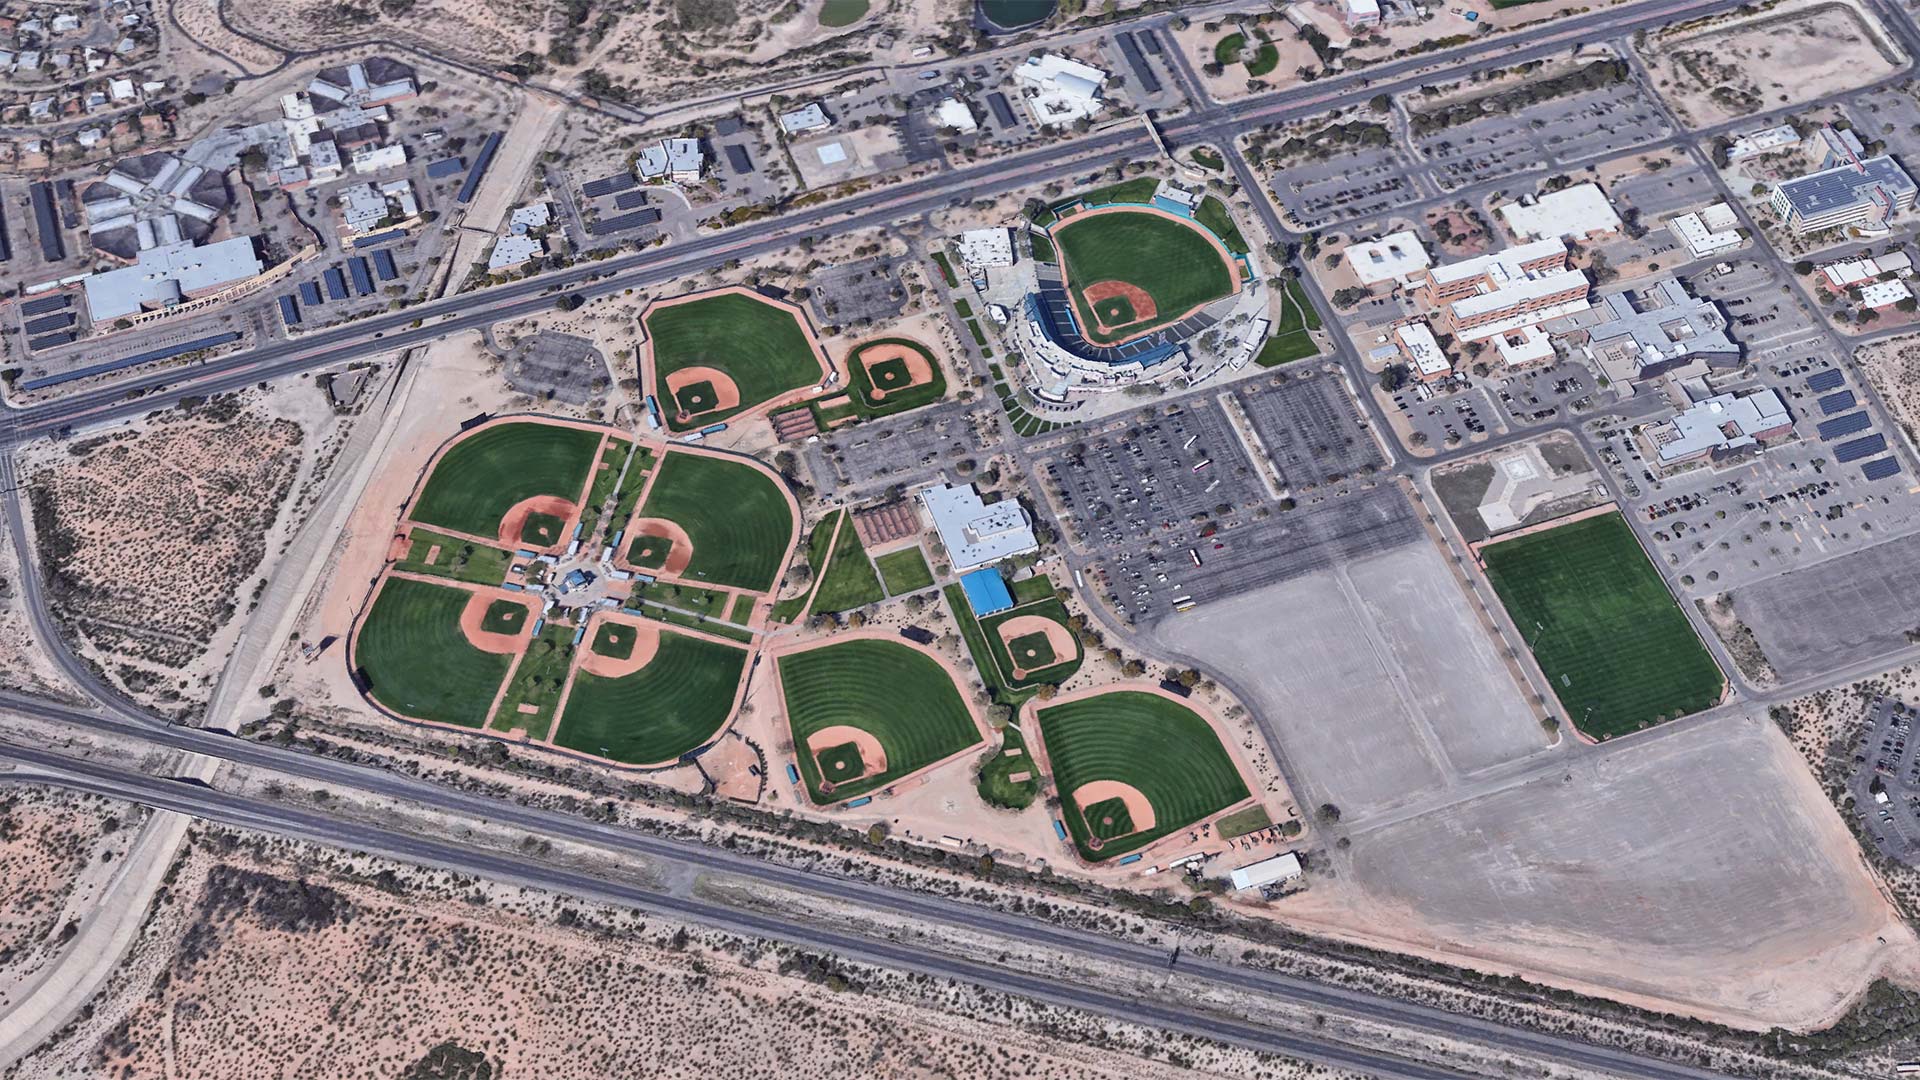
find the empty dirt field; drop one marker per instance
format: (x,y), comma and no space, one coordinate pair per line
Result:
(1728,69)
(58,852)
(1894,367)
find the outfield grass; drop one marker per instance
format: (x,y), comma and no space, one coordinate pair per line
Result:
(1615,647)
(538,681)
(735,515)
(1158,746)
(994,785)
(850,581)
(762,348)
(838,13)
(417,662)
(480,478)
(1055,673)
(901,695)
(1176,265)
(895,401)
(461,560)
(1219,220)
(674,704)
(904,571)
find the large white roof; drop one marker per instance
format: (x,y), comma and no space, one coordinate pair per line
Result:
(1574,212)
(1390,258)
(974,533)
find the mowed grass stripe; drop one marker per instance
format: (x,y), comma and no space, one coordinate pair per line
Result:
(1173,261)
(901,695)
(735,515)
(1159,746)
(672,705)
(479,479)
(1615,647)
(762,348)
(416,660)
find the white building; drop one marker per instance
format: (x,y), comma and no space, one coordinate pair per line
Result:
(168,275)
(981,248)
(1883,294)
(1422,350)
(1576,213)
(511,251)
(1060,91)
(1755,143)
(373,159)
(680,161)
(1707,232)
(801,121)
(1725,422)
(1282,867)
(974,533)
(366,207)
(1395,257)
(532,216)
(953,113)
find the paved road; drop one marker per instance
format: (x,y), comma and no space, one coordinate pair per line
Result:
(345,780)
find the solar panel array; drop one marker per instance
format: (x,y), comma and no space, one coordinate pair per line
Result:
(1849,424)
(46,324)
(384,266)
(1880,468)
(309,293)
(1822,381)
(1835,403)
(624,222)
(607,185)
(46,304)
(289,311)
(627,200)
(1855,449)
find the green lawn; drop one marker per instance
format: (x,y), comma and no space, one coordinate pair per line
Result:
(461,560)
(735,515)
(504,617)
(1290,340)
(762,348)
(1158,746)
(1207,159)
(416,661)
(894,401)
(995,787)
(901,695)
(1176,265)
(838,13)
(1227,49)
(850,581)
(1615,647)
(1140,189)
(1055,673)
(1265,59)
(671,706)
(1027,590)
(904,571)
(538,681)
(1219,221)
(1242,822)
(482,477)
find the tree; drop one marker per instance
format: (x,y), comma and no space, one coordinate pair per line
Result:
(1803,267)
(1394,376)
(1328,814)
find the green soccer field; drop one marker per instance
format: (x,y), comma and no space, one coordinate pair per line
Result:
(1614,645)
(480,478)
(1173,261)
(671,706)
(1162,748)
(761,347)
(418,663)
(735,515)
(901,695)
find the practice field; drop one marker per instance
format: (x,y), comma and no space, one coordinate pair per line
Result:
(902,697)
(760,346)
(904,571)
(1040,654)
(892,375)
(504,617)
(1160,748)
(735,516)
(849,581)
(1120,263)
(672,705)
(483,476)
(418,662)
(1613,644)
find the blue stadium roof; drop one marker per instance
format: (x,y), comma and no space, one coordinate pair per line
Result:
(986,592)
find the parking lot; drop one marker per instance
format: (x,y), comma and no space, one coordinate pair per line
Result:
(1678,187)
(1345,188)
(1310,430)
(1564,129)
(1769,326)
(1443,419)
(1849,609)
(1541,395)
(1890,114)
(1886,779)
(912,448)
(857,293)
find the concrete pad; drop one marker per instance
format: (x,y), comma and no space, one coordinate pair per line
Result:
(1836,613)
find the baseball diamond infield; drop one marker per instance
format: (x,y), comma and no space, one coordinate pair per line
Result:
(1035,643)
(1163,266)
(904,698)
(658,546)
(844,753)
(484,475)
(487,609)
(892,375)
(1145,740)
(745,350)
(539,522)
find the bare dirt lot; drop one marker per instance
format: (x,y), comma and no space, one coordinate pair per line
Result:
(1894,367)
(58,850)
(1844,611)
(1713,71)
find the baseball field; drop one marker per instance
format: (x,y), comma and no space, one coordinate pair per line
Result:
(417,662)
(673,704)
(1130,271)
(736,518)
(1028,652)
(481,477)
(896,707)
(1614,645)
(892,375)
(1145,766)
(760,348)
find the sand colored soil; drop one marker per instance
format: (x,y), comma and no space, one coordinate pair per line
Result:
(516,519)
(475,612)
(1058,636)
(646,642)
(873,758)
(1142,301)
(919,369)
(1099,791)
(677,559)
(725,394)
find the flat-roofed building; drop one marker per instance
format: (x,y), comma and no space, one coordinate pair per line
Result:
(977,534)
(1422,351)
(1397,257)
(803,120)
(1581,212)
(170,274)
(981,248)
(1866,195)
(1504,291)
(1719,424)
(1707,232)
(1060,90)
(1638,335)
(1755,143)
(1880,295)
(1282,867)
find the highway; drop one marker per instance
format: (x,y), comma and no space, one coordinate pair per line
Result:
(346,780)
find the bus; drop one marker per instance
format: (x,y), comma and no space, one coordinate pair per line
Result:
(1203,464)
(1183,603)
(1194,554)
